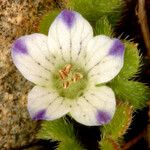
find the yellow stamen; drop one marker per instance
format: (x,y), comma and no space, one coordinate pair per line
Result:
(66,84)
(62,74)
(65,73)
(77,77)
(67,68)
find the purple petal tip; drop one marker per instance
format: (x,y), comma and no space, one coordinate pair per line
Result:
(103,117)
(19,46)
(68,17)
(117,48)
(39,115)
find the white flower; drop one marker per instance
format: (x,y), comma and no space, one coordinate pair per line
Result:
(66,66)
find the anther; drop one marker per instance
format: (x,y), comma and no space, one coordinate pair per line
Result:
(62,74)
(67,68)
(77,77)
(66,85)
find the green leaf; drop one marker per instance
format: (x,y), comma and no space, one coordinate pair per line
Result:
(47,20)
(95,8)
(120,122)
(103,27)
(108,144)
(59,130)
(69,145)
(132,61)
(135,93)
(90,12)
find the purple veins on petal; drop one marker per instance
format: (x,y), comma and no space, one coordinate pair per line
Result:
(103,117)
(40,115)
(19,46)
(68,17)
(117,48)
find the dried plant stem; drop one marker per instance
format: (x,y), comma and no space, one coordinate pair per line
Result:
(133,141)
(142,17)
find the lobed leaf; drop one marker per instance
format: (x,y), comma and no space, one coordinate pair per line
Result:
(59,130)
(120,122)
(135,93)
(108,144)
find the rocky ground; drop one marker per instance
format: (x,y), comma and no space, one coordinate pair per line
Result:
(17,18)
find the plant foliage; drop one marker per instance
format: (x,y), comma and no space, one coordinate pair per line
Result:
(47,20)
(60,130)
(103,15)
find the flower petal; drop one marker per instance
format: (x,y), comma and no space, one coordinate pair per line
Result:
(96,107)
(69,34)
(44,104)
(104,59)
(32,58)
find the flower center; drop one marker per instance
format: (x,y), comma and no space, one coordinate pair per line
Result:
(70,81)
(68,77)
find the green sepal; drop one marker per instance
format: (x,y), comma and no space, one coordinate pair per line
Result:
(108,144)
(120,122)
(133,92)
(103,27)
(132,61)
(47,20)
(59,130)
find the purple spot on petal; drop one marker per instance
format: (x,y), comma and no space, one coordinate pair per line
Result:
(103,117)
(19,46)
(117,48)
(68,17)
(40,115)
